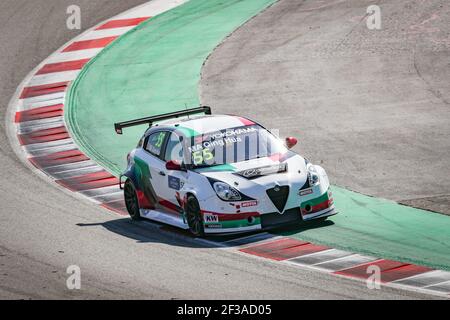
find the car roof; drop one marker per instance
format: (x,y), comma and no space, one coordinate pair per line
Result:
(195,125)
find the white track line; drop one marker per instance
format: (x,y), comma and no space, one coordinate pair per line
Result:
(321,257)
(54,77)
(345,262)
(100,191)
(110,197)
(49,99)
(22,105)
(426,279)
(254,239)
(77,172)
(34,125)
(43,149)
(443,287)
(73,55)
(98,34)
(54,170)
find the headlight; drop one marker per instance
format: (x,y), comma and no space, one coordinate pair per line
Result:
(313,175)
(226,192)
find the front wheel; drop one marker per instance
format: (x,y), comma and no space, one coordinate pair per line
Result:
(131,200)
(194,217)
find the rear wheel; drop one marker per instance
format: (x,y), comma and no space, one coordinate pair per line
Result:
(194,217)
(131,200)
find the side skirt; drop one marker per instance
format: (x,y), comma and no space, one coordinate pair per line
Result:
(164,218)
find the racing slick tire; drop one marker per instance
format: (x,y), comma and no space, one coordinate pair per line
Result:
(194,217)
(131,200)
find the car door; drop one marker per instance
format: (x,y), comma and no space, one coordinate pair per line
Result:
(175,178)
(153,153)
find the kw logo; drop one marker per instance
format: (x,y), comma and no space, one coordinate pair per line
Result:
(211,217)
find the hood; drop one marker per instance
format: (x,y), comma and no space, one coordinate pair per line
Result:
(247,176)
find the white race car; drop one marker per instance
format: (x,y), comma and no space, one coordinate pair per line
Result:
(220,174)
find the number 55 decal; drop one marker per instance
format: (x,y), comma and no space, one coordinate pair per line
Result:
(160,140)
(202,156)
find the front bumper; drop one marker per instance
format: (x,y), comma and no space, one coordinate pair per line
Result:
(262,214)
(233,230)
(267,221)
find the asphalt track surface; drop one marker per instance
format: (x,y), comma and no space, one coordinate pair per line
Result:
(371,106)
(43,230)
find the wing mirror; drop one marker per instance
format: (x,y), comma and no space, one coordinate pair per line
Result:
(290,142)
(174,165)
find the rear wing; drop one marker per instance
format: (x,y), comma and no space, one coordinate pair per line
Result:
(131,123)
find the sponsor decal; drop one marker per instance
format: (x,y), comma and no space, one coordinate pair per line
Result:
(220,138)
(249,204)
(209,217)
(206,146)
(214,226)
(305,192)
(261,171)
(174,183)
(250,173)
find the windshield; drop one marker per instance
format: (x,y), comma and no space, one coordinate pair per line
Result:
(233,145)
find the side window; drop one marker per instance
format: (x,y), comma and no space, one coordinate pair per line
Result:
(155,142)
(174,149)
(141,142)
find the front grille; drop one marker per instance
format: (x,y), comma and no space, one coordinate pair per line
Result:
(290,216)
(278,196)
